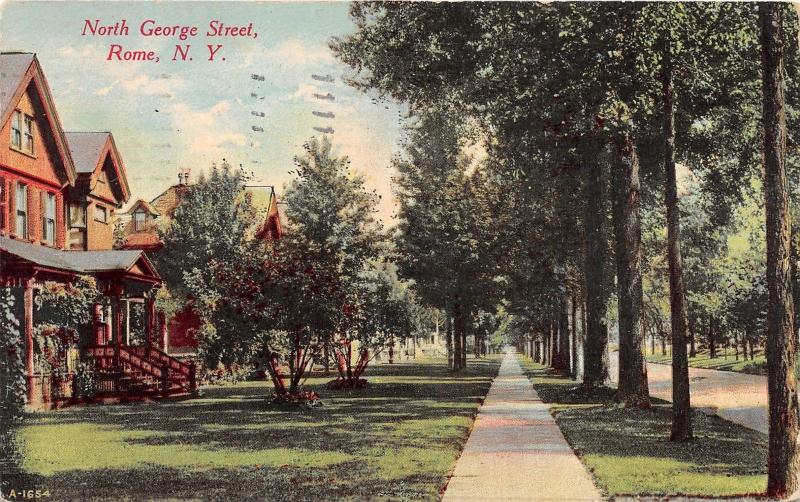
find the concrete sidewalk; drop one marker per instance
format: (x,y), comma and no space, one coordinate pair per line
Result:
(516,451)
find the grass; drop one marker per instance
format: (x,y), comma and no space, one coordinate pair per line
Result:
(398,438)
(628,452)
(757,366)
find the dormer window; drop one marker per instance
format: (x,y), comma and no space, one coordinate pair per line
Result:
(139,220)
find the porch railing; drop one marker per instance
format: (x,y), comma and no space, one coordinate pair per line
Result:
(157,370)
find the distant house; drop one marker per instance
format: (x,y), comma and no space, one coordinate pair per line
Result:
(140,225)
(58,194)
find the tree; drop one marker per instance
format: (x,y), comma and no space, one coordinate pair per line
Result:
(214,222)
(783,454)
(305,290)
(384,312)
(444,241)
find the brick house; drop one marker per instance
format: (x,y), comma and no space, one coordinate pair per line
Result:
(58,194)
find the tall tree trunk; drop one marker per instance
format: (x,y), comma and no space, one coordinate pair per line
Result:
(463,342)
(712,342)
(457,328)
(448,337)
(783,459)
(692,339)
(633,388)
(574,338)
(595,357)
(564,332)
(681,408)
(326,355)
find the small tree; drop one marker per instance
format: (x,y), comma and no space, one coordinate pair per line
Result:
(383,311)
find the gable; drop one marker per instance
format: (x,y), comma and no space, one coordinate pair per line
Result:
(99,165)
(44,162)
(25,86)
(106,183)
(143,205)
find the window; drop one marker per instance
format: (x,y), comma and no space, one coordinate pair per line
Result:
(28,146)
(49,217)
(100,214)
(16,129)
(22,211)
(77,215)
(139,220)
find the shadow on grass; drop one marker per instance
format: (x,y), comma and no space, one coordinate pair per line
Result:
(629,452)
(400,435)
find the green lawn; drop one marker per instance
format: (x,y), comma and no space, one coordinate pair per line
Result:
(398,438)
(757,366)
(628,452)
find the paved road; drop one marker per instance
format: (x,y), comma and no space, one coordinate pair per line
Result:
(737,397)
(516,451)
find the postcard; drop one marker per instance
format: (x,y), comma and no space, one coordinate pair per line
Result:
(460,251)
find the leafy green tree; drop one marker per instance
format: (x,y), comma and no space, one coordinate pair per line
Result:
(304,290)
(214,222)
(384,312)
(443,240)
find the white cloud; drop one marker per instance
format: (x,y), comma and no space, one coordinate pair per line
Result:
(206,135)
(145,85)
(305,92)
(296,53)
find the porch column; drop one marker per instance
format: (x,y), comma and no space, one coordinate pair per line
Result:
(150,318)
(28,326)
(164,333)
(127,321)
(116,322)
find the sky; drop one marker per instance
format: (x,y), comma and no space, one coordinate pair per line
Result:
(168,115)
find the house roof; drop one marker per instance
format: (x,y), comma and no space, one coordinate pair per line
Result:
(17,71)
(82,262)
(146,205)
(14,66)
(143,240)
(89,150)
(169,200)
(86,148)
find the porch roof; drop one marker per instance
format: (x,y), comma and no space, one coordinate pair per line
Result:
(132,263)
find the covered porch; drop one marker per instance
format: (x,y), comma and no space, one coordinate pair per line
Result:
(120,370)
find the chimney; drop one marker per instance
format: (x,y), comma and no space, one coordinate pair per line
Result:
(183,176)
